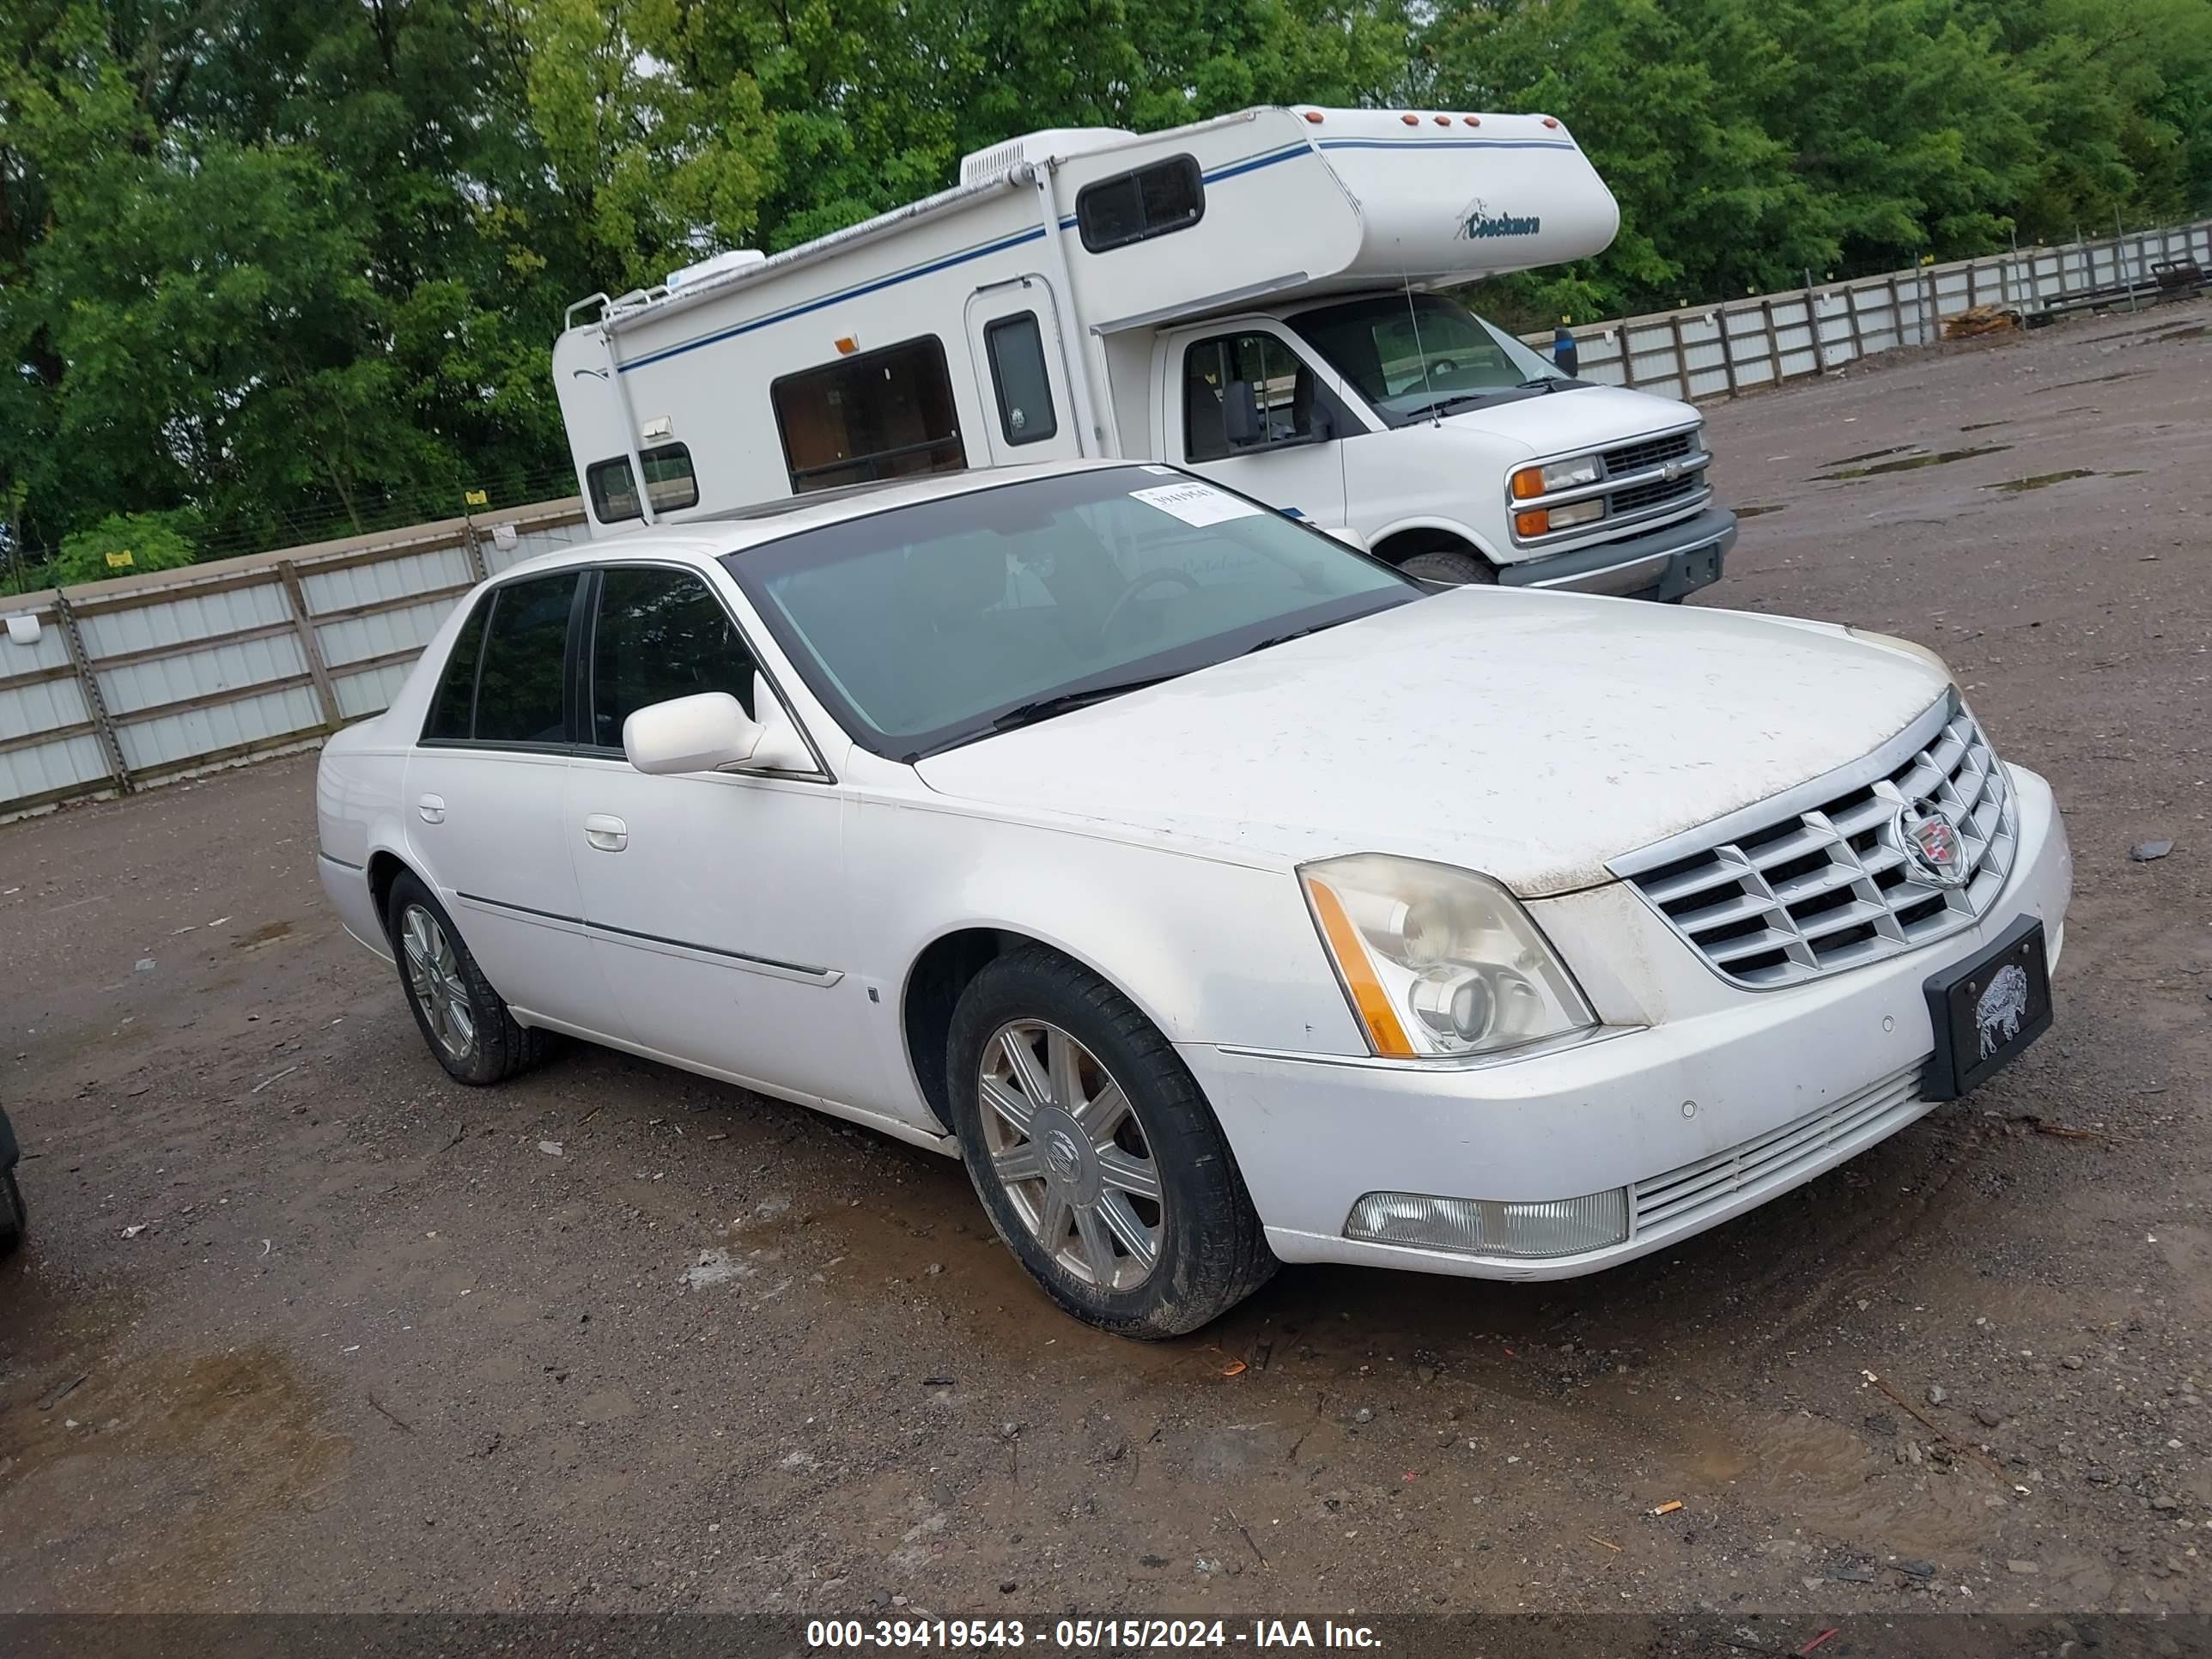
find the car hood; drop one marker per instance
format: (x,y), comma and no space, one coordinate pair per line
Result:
(1530,736)
(1586,418)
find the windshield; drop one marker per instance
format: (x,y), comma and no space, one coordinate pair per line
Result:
(926,626)
(1409,355)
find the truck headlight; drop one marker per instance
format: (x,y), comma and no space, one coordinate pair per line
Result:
(1541,521)
(1438,961)
(1531,482)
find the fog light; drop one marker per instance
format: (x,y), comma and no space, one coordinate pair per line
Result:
(1490,1226)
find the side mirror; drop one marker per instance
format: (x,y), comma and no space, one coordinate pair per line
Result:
(711,731)
(1240,416)
(701,733)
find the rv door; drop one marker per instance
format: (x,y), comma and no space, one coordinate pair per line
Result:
(1021,371)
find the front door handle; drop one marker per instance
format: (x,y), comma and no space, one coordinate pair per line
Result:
(607,834)
(433,809)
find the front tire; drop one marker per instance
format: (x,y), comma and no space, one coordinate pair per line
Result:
(465,1022)
(1450,564)
(1096,1156)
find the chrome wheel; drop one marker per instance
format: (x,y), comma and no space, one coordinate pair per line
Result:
(1068,1148)
(435,975)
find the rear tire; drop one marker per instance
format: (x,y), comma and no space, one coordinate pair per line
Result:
(463,1019)
(1450,564)
(15,1216)
(1096,1156)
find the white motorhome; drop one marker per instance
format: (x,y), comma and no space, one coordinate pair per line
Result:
(1252,297)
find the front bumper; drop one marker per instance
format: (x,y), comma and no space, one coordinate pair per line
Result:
(1727,1098)
(1660,564)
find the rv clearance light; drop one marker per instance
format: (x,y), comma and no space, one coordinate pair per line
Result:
(1443,120)
(1472,120)
(1411,120)
(847,345)
(1314,116)
(1549,122)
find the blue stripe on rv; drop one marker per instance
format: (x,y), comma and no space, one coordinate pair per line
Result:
(881,283)
(1229,170)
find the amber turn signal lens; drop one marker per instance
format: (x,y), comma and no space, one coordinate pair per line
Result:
(1528,483)
(1535,523)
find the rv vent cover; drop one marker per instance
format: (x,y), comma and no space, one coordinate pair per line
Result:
(736,258)
(980,166)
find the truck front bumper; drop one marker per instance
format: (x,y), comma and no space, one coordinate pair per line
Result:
(1662,564)
(1672,1127)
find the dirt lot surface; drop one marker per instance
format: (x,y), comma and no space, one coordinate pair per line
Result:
(304,1326)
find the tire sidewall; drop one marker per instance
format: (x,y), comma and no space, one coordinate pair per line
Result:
(480,1066)
(1186,1144)
(1465,568)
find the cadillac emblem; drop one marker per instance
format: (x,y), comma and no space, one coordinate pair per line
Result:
(1930,844)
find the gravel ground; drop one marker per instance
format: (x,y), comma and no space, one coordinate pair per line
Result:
(304,1326)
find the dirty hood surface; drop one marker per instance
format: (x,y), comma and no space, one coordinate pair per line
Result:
(1589,417)
(1530,736)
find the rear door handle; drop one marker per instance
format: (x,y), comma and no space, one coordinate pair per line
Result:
(606,834)
(433,809)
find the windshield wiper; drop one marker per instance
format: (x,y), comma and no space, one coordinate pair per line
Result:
(1044,708)
(1295,634)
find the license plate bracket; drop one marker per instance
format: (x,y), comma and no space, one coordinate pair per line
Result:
(1987,1010)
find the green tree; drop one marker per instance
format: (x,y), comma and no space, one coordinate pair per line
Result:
(124,544)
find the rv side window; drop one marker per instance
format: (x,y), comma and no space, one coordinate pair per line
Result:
(1016,347)
(883,415)
(668,475)
(1282,389)
(1133,207)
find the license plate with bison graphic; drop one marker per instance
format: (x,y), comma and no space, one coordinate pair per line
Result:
(1987,1010)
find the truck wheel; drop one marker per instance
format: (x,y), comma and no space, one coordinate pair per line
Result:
(1096,1158)
(465,1021)
(15,1218)
(1448,564)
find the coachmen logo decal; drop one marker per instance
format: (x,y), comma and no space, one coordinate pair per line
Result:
(1476,220)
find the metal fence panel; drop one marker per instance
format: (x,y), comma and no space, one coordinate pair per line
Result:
(170,743)
(70,766)
(178,618)
(357,639)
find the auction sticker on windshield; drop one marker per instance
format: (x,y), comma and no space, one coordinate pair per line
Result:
(1195,503)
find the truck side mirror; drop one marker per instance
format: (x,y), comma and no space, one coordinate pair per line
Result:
(1240,416)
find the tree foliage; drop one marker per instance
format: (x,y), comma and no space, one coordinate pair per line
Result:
(287,266)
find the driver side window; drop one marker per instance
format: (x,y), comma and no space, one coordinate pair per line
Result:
(1283,389)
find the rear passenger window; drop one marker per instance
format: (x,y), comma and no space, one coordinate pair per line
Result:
(525,652)
(1016,347)
(1134,207)
(453,707)
(668,475)
(661,634)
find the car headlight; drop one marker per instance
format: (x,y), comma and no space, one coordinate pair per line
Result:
(1531,482)
(1910,647)
(1438,961)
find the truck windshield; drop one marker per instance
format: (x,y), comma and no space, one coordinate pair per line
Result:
(925,626)
(1411,356)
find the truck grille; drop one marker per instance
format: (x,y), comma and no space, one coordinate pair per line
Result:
(1837,885)
(1651,451)
(1636,497)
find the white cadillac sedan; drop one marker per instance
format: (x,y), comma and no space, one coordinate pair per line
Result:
(1220,896)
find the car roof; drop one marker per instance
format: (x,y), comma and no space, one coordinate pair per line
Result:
(710,535)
